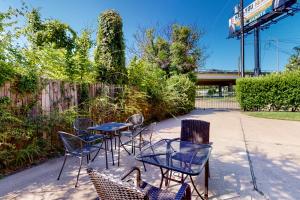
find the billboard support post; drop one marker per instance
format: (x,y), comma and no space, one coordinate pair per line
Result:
(257,69)
(242,38)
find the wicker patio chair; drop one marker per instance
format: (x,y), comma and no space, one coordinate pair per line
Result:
(109,188)
(76,147)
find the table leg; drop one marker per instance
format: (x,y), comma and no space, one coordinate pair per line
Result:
(105,146)
(195,187)
(119,148)
(112,151)
(206,180)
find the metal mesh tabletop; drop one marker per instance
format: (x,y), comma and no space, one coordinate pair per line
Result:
(110,127)
(181,156)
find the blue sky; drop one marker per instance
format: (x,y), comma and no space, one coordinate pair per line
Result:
(210,16)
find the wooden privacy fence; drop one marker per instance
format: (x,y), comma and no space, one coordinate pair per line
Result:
(55,95)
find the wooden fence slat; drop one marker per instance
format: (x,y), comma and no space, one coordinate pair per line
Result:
(55,95)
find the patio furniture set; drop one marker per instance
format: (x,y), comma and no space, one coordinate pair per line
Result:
(177,159)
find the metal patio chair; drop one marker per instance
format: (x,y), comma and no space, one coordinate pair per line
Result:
(195,131)
(81,126)
(110,188)
(77,147)
(137,121)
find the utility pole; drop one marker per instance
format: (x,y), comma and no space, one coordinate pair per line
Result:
(242,38)
(257,69)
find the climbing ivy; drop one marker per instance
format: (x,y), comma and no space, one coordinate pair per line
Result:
(110,49)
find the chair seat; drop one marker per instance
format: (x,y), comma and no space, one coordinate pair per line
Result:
(92,137)
(126,133)
(155,193)
(86,150)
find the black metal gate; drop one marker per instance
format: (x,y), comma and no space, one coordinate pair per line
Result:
(216,97)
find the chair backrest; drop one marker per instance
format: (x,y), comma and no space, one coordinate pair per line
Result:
(109,188)
(71,142)
(81,125)
(196,131)
(136,119)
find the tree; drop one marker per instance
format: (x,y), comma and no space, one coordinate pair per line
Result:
(8,51)
(175,49)
(83,65)
(110,49)
(294,61)
(41,33)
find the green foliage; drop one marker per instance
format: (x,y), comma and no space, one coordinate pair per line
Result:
(110,49)
(28,83)
(25,140)
(53,32)
(7,66)
(175,52)
(294,61)
(47,61)
(84,69)
(166,96)
(181,95)
(148,78)
(55,51)
(271,92)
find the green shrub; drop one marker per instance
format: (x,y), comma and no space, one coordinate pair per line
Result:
(181,95)
(272,92)
(165,96)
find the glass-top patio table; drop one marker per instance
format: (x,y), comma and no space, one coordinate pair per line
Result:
(113,129)
(180,156)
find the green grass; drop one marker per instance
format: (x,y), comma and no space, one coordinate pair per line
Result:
(292,116)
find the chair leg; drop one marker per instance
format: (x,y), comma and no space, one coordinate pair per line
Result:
(98,151)
(208,170)
(144,166)
(140,144)
(78,171)
(62,167)
(132,145)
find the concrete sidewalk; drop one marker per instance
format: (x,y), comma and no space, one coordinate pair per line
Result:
(271,147)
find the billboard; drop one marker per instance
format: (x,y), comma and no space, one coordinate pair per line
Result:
(256,10)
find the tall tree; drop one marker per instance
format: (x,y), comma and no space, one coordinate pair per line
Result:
(84,66)
(175,49)
(53,32)
(294,61)
(110,49)
(51,35)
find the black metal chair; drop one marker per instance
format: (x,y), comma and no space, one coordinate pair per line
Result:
(110,188)
(140,137)
(195,131)
(137,121)
(81,126)
(77,147)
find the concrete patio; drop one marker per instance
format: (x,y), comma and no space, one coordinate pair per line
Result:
(247,152)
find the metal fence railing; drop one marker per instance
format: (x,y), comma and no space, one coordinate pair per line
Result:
(211,97)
